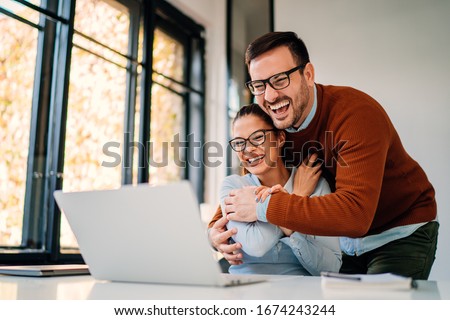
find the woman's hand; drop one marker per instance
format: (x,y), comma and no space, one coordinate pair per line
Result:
(262,192)
(307,176)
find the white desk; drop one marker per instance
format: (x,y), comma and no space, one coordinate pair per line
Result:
(276,288)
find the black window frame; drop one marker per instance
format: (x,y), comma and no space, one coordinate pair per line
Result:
(42,217)
(191,35)
(230,4)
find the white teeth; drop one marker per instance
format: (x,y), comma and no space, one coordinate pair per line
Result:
(279,105)
(255,159)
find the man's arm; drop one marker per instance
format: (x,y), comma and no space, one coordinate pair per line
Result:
(218,237)
(350,210)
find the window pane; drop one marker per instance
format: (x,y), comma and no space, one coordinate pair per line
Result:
(167,121)
(18,43)
(105,21)
(167,111)
(95,119)
(85,43)
(21,11)
(168,56)
(96,107)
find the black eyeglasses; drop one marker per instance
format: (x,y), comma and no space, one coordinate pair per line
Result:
(257,138)
(277,81)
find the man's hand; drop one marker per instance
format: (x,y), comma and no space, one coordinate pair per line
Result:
(240,205)
(218,237)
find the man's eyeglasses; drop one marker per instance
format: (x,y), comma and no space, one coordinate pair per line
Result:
(257,138)
(277,81)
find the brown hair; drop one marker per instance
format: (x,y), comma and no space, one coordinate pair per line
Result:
(256,110)
(273,40)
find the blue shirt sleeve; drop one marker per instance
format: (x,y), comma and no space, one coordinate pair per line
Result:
(261,209)
(256,238)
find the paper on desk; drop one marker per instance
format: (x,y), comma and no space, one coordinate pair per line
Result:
(369,281)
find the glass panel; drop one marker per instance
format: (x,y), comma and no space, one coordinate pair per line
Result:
(96,109)
(166,130)
(18,47)
(94,121)
(107,22)
(20,10)
(244,29)
(168,56)
(99,50)
(165,82)
(167,111)
(35,2)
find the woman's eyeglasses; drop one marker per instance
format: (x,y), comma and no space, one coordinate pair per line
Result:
(257,138)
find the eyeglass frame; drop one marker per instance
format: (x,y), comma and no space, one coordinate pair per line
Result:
(248,139)
(248,84)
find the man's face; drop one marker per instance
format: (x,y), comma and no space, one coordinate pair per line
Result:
(290,106)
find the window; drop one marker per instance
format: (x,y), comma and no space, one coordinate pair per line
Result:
(242,29)
(93,94)
(18,49)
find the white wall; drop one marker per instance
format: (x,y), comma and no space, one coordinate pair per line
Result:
(212,15)
(398,51)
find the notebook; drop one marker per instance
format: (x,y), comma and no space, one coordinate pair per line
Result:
(45,270)
(144,233)
(367,281)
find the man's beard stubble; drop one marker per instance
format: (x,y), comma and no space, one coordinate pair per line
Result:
(298,111)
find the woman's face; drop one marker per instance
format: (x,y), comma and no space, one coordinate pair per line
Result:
(265,157)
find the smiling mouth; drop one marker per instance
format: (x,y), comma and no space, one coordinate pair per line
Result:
(280,107)
(254,160)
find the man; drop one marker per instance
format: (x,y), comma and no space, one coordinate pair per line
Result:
(383,206)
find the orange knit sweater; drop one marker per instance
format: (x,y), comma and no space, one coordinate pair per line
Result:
(376,184)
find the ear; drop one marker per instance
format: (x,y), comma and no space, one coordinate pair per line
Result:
(281,138)
(308,73)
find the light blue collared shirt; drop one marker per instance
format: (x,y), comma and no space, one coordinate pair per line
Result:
(265,248)
(350,246)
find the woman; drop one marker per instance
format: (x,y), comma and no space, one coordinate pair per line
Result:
(266,248)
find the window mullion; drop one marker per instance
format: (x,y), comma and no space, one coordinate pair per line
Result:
(34,221)
(146,85)
(57,118)
(130,98)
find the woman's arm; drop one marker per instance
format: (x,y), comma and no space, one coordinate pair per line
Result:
(257,237)
(316,254)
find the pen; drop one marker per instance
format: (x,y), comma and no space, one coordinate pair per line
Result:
(340,276)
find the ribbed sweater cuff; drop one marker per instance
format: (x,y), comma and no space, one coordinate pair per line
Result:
(276,211)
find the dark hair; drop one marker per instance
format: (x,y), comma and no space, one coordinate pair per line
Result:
(273,40)
(255,110)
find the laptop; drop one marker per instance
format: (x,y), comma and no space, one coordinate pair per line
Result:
(144,233)
(45,270)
